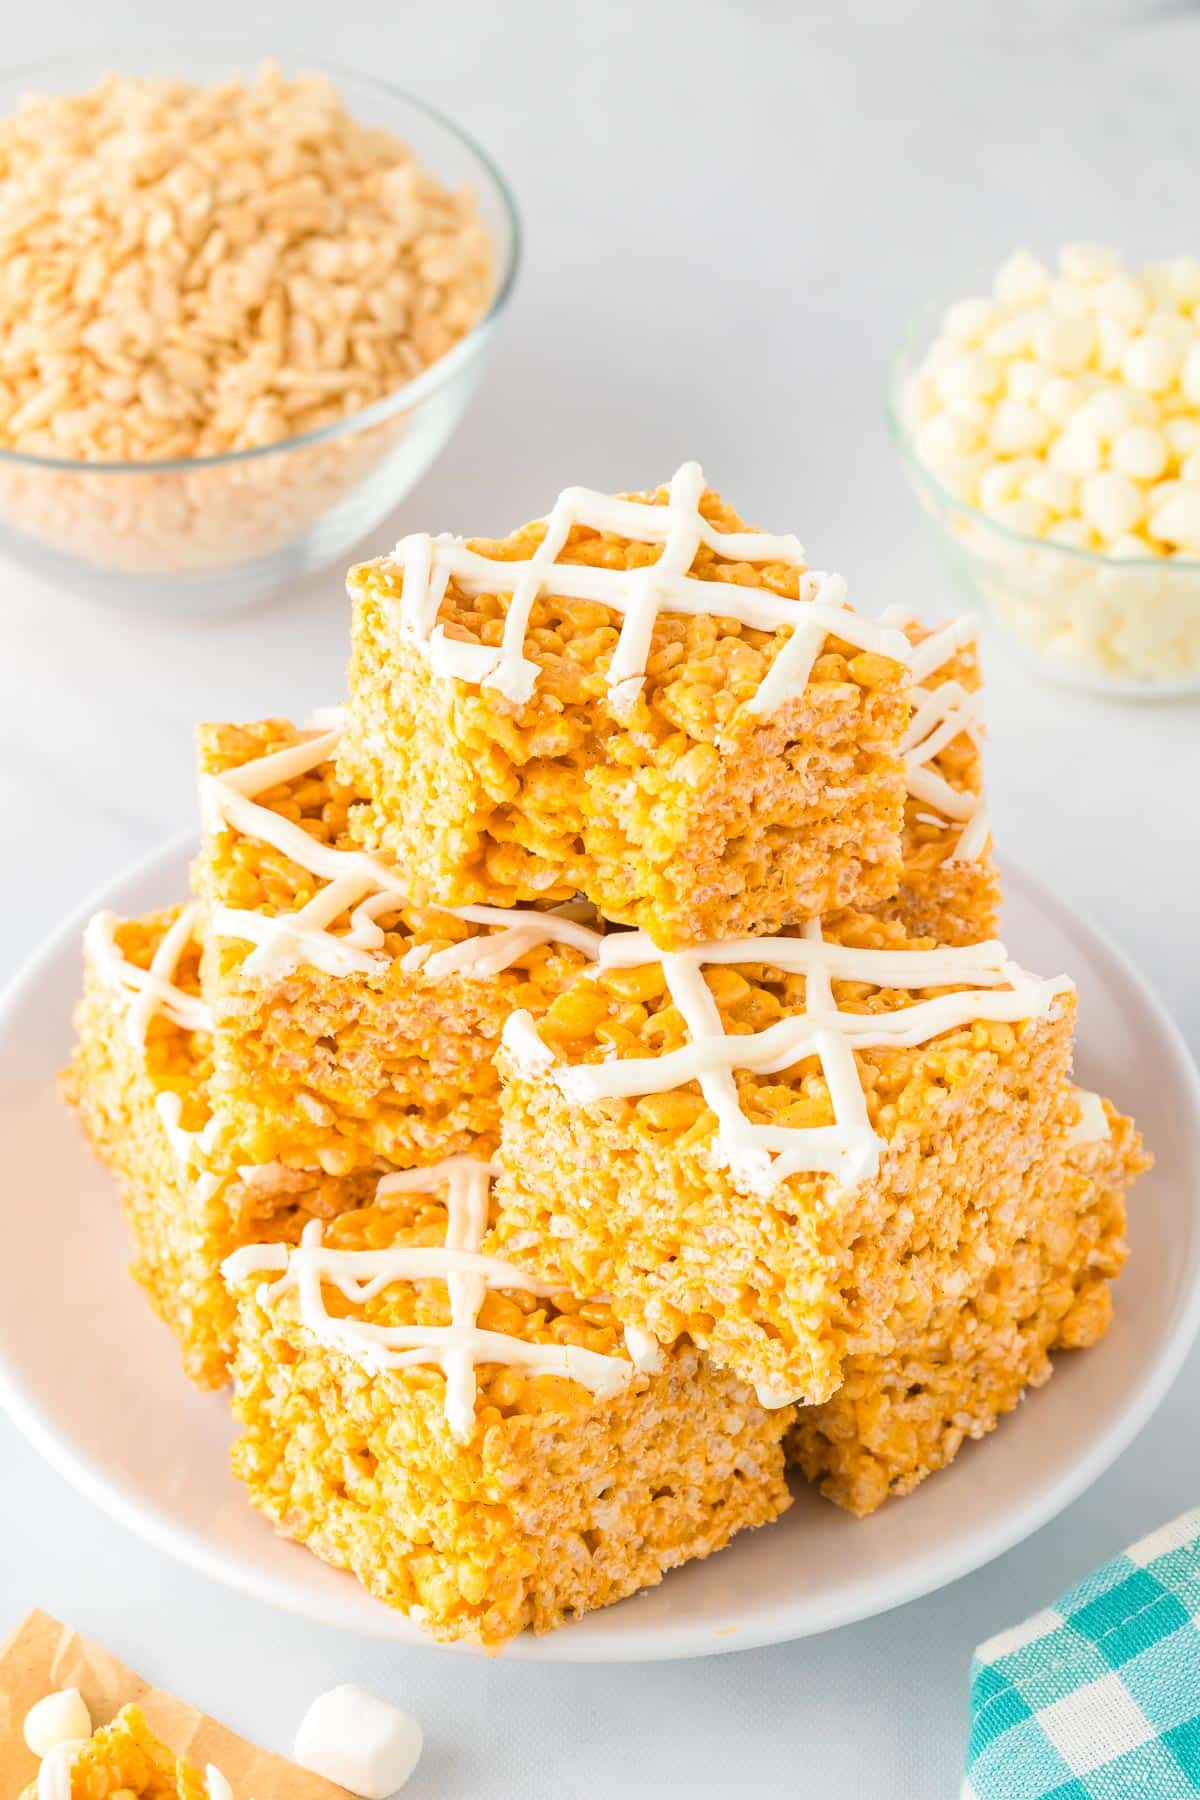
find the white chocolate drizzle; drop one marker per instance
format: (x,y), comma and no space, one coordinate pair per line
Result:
(147,992)
(458,1348)
(638,595)
(357,885)
(940,714)
(759,1157)
(54,1775)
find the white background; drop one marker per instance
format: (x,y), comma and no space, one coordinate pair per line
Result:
(730,212)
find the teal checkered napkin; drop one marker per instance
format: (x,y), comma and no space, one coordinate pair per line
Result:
(1098,1698)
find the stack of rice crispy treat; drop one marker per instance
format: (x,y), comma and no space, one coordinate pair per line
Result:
(586,1079)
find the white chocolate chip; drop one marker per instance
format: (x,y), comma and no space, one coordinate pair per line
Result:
(1140,451)
(1023,280)
(1112,503)
(1178,521)
(1011,337)
(1076,452)
(1088,263)
(1017,427)
(1060,398)
(1002,481)
(1109,412)
(58,1718)
(1025,380)
(1189,375)
(1151,362)
(1130,545)
(1076,534)
(1052,488)
(359,1742)
(1112,341)
(1023,515)
(1121,299)
(967,320)
(1185,279)
(1064,344)
(1171,328)
(943,438)
(1183,435)
(971,376)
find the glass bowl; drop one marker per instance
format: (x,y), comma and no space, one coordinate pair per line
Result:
(210,533)
(1113,625)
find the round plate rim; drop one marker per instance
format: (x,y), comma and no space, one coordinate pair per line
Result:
(675,1643)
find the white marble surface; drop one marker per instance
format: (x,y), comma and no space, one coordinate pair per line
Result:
(730,212)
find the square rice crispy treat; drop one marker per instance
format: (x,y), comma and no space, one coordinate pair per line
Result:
(769,1144)
(138,1081)
(349,1025)
(950,890)
(480,1451)
(637,699)
(124,1761)
(953,1373)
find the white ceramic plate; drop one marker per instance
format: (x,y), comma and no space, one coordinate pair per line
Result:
(92,1379)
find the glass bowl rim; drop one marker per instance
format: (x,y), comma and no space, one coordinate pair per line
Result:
(899,363)
(399,399)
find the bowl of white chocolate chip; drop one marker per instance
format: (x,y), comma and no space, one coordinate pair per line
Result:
(1051,429)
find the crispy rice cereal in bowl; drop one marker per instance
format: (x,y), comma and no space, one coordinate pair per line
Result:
(239,316)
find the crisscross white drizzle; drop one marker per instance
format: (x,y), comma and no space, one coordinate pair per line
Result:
(759,1157)
(147,992)
(458,1348)
(940,714)
(638,595)
(358,888)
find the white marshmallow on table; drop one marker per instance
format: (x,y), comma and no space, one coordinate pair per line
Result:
(359,1742)
(58,1718)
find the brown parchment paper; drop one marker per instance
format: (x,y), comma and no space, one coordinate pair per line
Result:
(42,1655)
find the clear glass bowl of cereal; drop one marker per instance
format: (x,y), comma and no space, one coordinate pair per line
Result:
(1056,533)
(141,455)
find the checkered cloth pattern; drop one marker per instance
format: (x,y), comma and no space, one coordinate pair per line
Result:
(1097,1698)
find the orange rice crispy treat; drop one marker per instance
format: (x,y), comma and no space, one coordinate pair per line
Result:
(952,1375)
(140,1089)
(826,1172)
(125,1761)
(693,773)
(544,1478)
(950,889)
(349,1024)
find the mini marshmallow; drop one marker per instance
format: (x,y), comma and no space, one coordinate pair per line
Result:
(58,1718)
(359,1742)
